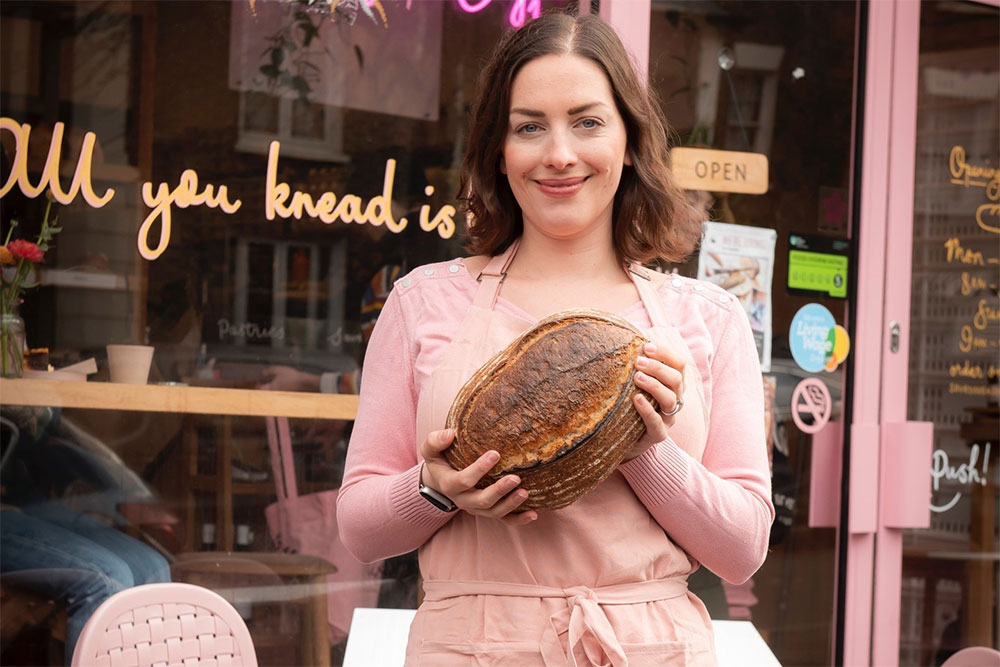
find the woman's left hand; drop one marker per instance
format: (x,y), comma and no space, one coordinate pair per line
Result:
(659,373)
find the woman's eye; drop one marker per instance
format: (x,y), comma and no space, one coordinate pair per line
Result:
(530,128)
(588,123)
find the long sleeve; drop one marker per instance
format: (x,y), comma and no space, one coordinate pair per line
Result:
(718,510)
(379,511)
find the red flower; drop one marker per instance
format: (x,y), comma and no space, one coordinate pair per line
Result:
(26,250)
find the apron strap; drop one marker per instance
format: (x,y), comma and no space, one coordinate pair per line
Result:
(492,276)
(643,279)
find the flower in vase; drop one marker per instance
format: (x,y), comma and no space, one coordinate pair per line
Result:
(26,250)
(18,258)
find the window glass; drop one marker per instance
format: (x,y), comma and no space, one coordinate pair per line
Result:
(950,574)
(775,79)
(233,180)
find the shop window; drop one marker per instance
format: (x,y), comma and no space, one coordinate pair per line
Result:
(750,74)
(306,130)
(301,299)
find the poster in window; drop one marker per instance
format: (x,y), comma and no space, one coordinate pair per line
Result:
(740,260)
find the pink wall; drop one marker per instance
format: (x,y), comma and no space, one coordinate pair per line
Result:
(631,19)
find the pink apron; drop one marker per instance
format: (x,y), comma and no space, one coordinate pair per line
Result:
(596,583)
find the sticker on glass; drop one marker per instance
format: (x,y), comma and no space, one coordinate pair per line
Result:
(810,337)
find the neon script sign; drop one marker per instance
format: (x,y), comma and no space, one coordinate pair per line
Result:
(519,11)
(280,202)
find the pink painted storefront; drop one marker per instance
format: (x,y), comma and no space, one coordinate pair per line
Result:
(895,558)
(879,223)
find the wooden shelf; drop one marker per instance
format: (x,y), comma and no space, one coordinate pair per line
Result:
(210,484)
(190,400)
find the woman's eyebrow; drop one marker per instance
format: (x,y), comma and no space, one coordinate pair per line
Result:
(583,107)
(528,112)
(533,113)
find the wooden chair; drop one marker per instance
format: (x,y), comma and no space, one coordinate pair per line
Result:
(289,579)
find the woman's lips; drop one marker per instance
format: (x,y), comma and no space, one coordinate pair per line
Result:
(561,187)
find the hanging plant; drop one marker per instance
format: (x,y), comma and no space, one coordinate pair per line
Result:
(286,60)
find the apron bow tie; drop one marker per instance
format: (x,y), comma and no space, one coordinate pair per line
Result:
(587,627)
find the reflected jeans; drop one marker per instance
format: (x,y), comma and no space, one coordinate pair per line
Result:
(58,552)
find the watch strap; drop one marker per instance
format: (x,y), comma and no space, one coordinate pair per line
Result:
(434,497)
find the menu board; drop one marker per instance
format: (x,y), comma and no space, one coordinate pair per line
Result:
(973,263)
(954,332)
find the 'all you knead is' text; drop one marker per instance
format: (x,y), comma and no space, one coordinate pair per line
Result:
(281,201)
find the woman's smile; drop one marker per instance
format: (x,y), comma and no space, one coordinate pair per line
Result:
(561,187)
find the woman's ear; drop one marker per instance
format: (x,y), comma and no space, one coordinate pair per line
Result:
(628,156)
(503,166)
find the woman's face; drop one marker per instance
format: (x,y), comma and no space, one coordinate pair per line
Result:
(565,146)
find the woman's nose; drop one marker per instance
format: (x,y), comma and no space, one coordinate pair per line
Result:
(560,152)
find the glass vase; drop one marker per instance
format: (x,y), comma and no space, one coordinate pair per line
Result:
(12,344)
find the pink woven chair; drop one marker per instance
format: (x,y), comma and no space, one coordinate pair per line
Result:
(974,656)
(165,624)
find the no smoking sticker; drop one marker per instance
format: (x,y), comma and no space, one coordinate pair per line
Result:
(811,405)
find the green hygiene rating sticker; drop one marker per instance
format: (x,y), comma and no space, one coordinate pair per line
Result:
(818,272)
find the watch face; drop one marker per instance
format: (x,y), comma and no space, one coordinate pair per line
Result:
(439,500)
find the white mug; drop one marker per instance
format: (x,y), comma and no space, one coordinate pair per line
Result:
(130,363)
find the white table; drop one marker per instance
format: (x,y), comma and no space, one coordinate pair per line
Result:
(378,638)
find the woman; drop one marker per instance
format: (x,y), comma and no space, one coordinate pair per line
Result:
(567,180)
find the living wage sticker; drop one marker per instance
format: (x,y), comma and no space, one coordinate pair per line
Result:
(818,343)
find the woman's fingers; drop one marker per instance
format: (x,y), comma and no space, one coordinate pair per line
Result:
(664,354)
(498,500)
(665,395)
(437,442)
(520,518)
(496,494)
(656,423)
(469,476)
(664,374)
(660,375)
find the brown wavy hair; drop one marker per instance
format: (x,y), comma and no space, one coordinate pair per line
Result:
(652,217)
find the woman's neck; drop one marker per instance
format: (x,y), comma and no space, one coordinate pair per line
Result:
(541,258)
(549,275)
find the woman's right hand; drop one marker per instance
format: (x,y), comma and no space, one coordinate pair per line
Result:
(499,500)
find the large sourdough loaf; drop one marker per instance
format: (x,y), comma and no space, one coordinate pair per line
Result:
(556,404)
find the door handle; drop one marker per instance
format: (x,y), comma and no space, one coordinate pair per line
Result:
(906,476)
(824,477)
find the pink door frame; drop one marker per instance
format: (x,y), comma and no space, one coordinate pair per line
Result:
(631,19)
(868,331)
(872,615)
(889,486)
(899,483)
(887,583)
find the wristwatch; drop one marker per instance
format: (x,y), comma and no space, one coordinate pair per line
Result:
(435,498)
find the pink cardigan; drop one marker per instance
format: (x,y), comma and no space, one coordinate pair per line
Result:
(718,509)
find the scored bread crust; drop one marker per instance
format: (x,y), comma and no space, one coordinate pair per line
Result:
(556,404)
